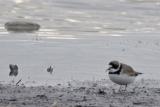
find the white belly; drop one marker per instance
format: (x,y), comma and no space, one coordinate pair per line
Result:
(122,79)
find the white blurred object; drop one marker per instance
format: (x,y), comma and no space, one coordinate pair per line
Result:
(56,104)
(20,1)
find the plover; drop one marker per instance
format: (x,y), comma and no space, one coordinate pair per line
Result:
(121,74)
(50,69)
(13,70)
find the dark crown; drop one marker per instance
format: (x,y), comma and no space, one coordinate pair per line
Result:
(114,64)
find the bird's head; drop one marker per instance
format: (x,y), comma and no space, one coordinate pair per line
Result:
(113,66)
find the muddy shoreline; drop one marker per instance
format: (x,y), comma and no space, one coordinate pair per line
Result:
(143,93)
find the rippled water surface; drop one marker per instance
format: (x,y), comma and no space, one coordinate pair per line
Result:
(72,19)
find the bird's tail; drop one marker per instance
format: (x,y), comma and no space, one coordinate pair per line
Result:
(138,73)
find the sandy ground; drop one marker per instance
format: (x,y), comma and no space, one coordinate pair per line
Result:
(103,93)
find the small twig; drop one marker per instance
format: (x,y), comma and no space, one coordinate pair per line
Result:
(18,82)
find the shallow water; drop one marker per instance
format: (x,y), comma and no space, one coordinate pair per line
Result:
(79,38)
(74,19)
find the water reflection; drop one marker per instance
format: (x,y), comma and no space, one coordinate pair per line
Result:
(72,20)
(20,1)
(116,35)
(61,37)
(53,34)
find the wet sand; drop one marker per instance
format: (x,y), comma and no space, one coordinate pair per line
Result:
(103,93)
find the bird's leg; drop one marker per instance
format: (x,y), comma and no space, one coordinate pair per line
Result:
(12,80)
(120,88)
(125,87)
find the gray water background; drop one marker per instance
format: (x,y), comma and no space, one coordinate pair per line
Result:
(62,22)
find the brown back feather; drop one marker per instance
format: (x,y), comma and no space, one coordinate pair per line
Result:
(128,70)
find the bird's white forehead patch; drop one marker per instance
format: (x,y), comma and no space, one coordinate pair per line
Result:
(113,70)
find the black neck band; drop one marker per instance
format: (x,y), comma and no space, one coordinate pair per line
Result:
(117,72)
